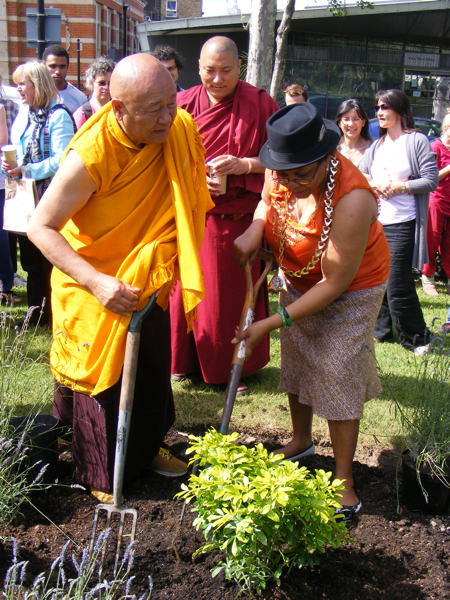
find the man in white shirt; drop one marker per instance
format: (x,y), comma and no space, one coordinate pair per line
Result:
(56,60)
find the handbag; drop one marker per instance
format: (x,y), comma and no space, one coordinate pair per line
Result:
(21,198)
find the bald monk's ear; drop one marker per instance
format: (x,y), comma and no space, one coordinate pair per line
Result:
(118,108)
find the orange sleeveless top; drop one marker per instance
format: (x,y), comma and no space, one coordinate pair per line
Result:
(301,241)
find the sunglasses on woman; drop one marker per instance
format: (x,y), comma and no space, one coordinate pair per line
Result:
(382,107)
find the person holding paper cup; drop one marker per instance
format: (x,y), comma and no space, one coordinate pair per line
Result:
(231,116)
(40,133)
(6,268)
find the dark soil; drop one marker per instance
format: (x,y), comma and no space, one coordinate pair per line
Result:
(395,554)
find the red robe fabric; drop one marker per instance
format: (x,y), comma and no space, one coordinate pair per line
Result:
(237,126)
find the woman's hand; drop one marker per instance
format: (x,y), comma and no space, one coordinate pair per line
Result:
(252,335)
(383,189)
(247,245)
(388,189)
(11,171)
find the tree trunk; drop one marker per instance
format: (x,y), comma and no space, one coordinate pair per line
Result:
(281,42)
(261,42)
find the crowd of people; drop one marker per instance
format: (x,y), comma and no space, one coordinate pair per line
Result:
(146,188)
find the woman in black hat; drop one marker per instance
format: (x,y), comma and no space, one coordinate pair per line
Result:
(319,215)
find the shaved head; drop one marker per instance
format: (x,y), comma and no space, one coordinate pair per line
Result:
(219,67)
(220,43)
(143,98)
(137,74)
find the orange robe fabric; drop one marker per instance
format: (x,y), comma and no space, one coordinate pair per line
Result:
(143,225)
(300,247)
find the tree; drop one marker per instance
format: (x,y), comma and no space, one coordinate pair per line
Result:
(262,71)
(281,43)
(261,42)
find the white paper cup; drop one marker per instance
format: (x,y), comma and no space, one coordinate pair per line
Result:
(222,179)
(9,153)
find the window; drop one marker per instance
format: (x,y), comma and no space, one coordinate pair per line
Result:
(171,9)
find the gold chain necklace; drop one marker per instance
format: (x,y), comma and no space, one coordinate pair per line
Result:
(277,282)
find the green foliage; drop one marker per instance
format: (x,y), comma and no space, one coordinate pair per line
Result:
(263,513)
(24,372)
(338,7)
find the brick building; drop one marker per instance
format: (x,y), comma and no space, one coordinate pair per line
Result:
(98,25)
(160,10)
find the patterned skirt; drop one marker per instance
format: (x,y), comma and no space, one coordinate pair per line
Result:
(328,359)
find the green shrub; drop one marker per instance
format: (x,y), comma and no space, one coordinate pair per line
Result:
(263,513)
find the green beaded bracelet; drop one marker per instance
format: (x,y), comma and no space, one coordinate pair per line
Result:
(286,320)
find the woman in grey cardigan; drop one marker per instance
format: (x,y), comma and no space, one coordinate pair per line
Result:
(401,168)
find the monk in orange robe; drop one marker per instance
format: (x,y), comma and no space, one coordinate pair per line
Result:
(231,115)
(123,218)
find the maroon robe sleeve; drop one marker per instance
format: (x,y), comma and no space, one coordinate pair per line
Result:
(236,125)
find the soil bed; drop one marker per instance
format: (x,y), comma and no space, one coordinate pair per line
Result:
(395,555)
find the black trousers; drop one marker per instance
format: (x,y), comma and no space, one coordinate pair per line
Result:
(38,271)
(401,309)
(94,420)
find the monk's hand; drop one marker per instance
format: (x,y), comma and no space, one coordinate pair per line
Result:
(226,164)
(214,186)
(252,336)
(116,295)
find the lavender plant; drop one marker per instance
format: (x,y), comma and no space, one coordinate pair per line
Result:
(18,478)
(85,583)
(16,485)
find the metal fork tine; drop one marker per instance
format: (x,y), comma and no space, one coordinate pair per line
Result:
(110,511)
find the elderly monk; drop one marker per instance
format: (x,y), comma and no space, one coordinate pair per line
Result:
(231,115)
(122,219)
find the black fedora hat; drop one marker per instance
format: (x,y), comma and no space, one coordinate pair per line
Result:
(297,136)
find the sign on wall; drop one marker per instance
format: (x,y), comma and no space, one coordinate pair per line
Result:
(52,26)
(421,60)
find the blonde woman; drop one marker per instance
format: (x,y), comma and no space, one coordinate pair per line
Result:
(41,131)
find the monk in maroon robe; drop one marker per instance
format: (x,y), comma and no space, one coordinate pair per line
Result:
(231,115)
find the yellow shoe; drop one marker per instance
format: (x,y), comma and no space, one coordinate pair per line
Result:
(168,465)
(102,497)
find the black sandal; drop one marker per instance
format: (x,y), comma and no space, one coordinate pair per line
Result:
(348,513)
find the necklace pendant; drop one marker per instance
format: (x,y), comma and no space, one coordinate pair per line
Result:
(276,283)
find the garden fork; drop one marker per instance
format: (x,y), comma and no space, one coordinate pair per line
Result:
(127,517)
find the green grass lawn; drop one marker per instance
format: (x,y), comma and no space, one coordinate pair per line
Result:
(27,382)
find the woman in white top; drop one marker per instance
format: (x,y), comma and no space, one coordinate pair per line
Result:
(351,118)
(401,168)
